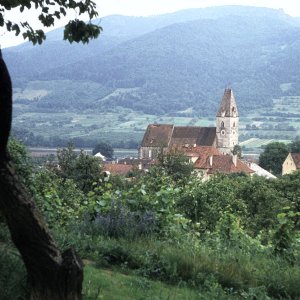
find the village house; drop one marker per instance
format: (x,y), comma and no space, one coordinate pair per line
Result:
(117,169)
(221,164)
(291,163)
(208,161)
(127,165)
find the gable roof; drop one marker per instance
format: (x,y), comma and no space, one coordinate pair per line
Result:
(157,135)
(228,106)
(164,135)
(118,169)
(193,135)
(222,164)
(204,154)
(296,159)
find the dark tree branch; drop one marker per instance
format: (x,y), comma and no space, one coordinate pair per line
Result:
(53,275)
(49,11)
(5,107)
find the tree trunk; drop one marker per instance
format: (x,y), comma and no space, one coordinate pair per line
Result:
(52,275)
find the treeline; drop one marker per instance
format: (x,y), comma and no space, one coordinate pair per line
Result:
(32,140)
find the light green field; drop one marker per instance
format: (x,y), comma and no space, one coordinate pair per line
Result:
(112,285)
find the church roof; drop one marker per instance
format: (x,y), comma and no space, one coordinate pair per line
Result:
(194,135)
(228,106)
(157,135)
(162,135)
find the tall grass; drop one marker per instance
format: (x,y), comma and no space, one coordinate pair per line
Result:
(196,264)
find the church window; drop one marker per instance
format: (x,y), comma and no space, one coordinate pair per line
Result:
(233,109)
(233,124)
(223,132)
(222,124)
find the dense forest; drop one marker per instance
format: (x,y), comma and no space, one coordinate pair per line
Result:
(232,237)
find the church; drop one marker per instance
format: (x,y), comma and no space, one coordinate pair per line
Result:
(163,137)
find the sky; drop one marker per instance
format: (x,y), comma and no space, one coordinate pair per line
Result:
(142,8)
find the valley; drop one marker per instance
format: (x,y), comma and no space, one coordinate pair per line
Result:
(124,128)
(171,69)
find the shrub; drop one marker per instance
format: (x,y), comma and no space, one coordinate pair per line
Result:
(119,222)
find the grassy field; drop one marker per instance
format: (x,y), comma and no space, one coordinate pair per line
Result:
(112,285)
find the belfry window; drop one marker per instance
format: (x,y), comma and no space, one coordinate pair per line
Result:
(222,124)
(233,124)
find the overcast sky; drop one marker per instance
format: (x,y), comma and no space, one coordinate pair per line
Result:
(146,8)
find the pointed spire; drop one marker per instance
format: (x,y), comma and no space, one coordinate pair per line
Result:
(228,106)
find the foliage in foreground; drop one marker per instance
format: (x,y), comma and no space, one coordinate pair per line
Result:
(239,267)
(232,236)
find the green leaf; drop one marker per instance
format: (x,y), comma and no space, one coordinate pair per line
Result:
(102,203)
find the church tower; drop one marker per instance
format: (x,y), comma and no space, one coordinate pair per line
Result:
(227,126)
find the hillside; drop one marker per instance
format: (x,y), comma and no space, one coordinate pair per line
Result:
(176,64)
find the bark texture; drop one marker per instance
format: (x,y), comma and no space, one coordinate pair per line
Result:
(53,275)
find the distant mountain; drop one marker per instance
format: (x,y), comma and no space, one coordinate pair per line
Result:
(174,63)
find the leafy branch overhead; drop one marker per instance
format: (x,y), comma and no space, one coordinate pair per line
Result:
(49,11)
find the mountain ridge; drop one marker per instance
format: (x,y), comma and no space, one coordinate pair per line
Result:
(173,67)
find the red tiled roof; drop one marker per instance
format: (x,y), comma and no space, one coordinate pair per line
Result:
(118,169)
(201,152)
(296,159)
(222,164)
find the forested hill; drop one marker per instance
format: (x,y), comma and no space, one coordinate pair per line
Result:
(173,63)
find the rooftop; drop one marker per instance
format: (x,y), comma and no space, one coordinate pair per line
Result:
(228,106)
(296,159)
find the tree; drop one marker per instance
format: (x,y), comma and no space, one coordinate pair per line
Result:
(49,11)
(83,169)
(21,160)
(176,165)
(273,156)
(105,149)
(59,199)
(295,147)
(237,150)
(52,274)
